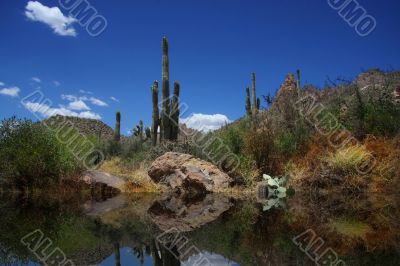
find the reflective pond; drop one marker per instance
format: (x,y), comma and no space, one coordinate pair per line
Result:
(213,229)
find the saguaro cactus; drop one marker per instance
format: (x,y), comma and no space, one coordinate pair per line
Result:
(117,131)
(138,131)
(248,104)
(140,127)
(175,112)
(298,81)
(165,111)
(147,132)
(253,91)
(258,103)
(155,115)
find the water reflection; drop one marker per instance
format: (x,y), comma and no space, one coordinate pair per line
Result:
(220,229)
(185,213)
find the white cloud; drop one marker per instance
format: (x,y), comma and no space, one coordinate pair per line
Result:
(212,259)
(85,92)
(90,115)
(2,83)
(114,99)
(69,97)
(204,122)
(83,99)
(12,92)
(47,111)
(56,83)
(78,105)
(97,102)
(51,16)
(36,79)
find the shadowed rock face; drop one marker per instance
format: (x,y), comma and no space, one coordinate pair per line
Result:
(184,172)
(186,214)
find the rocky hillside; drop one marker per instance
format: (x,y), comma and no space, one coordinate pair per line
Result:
(89,127)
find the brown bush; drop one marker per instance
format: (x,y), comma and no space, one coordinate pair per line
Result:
(314,169)
(259,145)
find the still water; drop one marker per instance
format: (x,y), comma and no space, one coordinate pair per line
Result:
(217,229)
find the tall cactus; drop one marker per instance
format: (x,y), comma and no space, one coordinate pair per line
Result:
(175,112)
(138,131)
(147,132)
(117,131)
(155,115)
(258,104)
(165,111)
(298,81)
(248,104)
(253,91)
(140,127)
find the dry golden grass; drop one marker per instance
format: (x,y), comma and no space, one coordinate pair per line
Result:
(387,171)
(322,167)
(136,174)
(351,228)
(347,159)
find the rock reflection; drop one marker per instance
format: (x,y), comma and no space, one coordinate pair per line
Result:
(187,214)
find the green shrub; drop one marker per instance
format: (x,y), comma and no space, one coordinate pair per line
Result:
(371,110)
(233,139)
(381,119)
(286,143)
(31,154)
(112,148)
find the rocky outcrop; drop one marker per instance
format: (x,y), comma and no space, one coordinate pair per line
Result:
(85,126)
(94,176)
(184,172)
(370,78)
(103,185)
(396,95)
(287,89)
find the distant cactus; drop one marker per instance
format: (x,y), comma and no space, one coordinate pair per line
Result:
(155,116)
(248,104)
(138,131)
(140,126)
(253,91)
(165,111)
(147,132)
(258,103)
(117,131)
(298,80)
(175,112)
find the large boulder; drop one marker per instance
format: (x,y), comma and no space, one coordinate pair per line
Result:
(185,172)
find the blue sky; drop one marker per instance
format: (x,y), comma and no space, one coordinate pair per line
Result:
(214,47)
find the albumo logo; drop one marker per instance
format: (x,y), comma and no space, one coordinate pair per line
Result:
(86,15)
(355,15)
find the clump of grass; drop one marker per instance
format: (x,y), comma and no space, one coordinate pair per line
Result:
(350,228)
(135,174)
(347,159)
